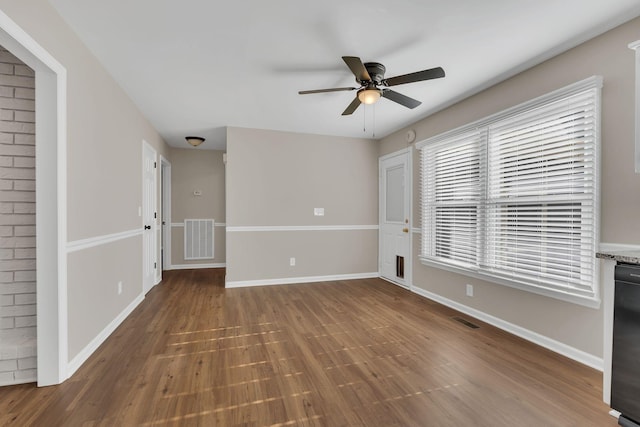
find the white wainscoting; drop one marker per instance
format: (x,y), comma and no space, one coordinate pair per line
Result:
(303,279)
(91,242)
(86,352)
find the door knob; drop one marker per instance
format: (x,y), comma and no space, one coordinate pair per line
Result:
(405,230)
(147,227)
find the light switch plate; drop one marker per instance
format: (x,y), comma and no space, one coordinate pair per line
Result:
(318,211)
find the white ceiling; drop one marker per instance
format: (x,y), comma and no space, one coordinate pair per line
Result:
(197,66)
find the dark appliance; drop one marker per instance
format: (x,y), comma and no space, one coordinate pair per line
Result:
(625,369)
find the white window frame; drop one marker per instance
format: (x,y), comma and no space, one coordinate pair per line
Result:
(589,296)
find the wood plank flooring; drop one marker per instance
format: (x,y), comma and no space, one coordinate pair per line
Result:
(345,353)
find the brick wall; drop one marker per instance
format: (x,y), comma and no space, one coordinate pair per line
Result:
(17,222)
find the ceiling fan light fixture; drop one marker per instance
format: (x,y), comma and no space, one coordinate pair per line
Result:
(369,96)
(194,140)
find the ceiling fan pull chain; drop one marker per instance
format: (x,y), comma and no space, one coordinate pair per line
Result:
(364,119)
(374,121)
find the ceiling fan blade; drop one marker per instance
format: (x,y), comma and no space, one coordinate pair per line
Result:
(400,98)
(357,68)
(352,107)
(335,89)
(433,73)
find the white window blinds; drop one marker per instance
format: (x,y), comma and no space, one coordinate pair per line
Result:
(453,175)
(514,197)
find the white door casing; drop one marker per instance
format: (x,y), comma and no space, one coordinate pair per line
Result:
(149,248)
(395,217)
(51,200)
(166,213)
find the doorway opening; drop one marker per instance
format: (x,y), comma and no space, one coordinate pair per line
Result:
(50,201)
(18,320)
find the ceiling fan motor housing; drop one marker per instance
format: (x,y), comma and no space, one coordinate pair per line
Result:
(376,71)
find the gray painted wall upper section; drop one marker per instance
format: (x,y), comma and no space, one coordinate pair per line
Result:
(277,178)
(608,56)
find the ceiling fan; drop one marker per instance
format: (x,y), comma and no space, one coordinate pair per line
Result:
(373,85)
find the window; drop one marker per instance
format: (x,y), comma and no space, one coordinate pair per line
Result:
(513,198)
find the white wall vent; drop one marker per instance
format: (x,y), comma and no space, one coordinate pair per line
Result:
(198,239)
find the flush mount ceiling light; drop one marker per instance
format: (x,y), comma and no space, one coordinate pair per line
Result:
(369,95)
(194,140)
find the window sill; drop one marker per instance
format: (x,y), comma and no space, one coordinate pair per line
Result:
(586,301)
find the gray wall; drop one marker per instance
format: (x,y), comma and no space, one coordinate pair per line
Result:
(196,169)
(104,162)
(608,56)
(277,179)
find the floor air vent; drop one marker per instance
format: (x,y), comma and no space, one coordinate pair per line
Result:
(465,322)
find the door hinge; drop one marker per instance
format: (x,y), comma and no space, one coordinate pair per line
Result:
(154,266)
(155,215)
(154,165)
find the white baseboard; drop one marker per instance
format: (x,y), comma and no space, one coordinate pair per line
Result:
(536,338)
(196,266)
(305,279)
(86,352)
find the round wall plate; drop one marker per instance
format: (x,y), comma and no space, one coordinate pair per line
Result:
(411,135)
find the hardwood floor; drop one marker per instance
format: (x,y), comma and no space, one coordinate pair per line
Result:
(346,353)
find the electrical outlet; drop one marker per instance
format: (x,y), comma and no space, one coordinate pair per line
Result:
(292,262)
(318,211)
(120,288)
(469,290)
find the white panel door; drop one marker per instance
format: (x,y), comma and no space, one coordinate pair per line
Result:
(149,249)
(395,202)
